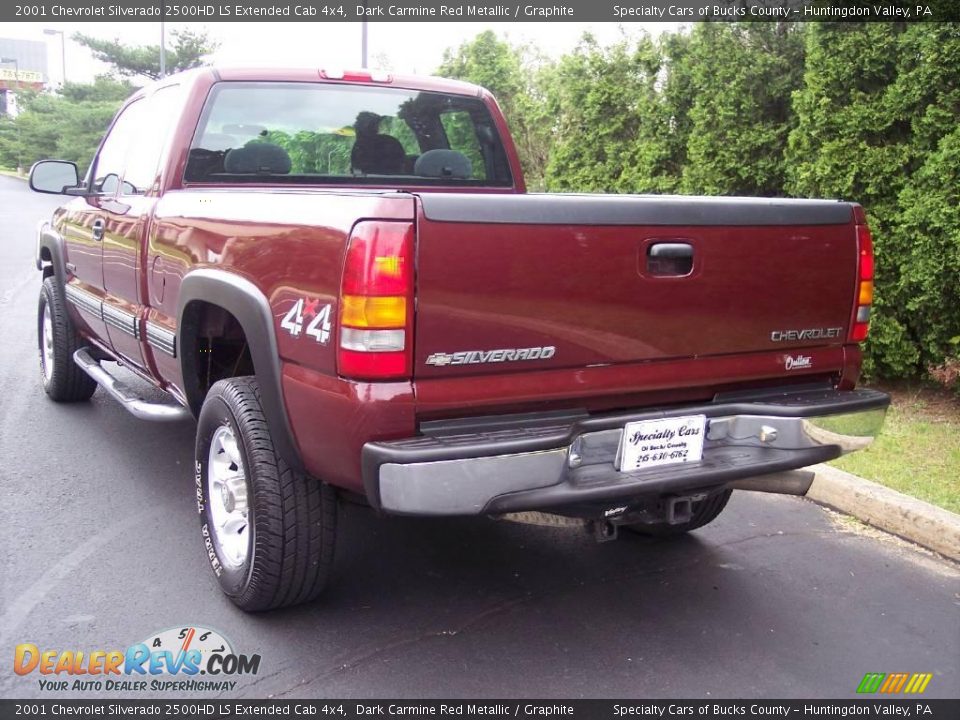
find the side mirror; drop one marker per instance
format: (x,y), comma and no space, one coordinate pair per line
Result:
(54,176)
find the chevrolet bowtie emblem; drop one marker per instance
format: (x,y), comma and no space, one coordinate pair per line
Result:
(439,359)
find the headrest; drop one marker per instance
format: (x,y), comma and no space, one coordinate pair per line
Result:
(258,157)
(443,163)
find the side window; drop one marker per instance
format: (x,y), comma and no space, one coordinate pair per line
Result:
(113,153)
(149,140)
(462,137)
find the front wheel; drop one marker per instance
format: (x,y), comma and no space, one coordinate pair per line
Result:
(57,339)
(268,530)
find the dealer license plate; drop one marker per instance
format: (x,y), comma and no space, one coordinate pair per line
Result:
(648,443)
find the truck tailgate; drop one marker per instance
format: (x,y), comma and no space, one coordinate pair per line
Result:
(570,281)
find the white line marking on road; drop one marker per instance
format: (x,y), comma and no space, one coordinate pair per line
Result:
(22,606)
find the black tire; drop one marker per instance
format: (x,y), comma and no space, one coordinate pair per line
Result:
(704,512)
(63,380)
(290,517)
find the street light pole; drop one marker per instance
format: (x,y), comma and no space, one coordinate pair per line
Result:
(63,52)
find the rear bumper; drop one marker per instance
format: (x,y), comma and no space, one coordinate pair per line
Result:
(557,462)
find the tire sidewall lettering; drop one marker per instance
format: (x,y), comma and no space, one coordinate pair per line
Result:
(233,581)
(50,378)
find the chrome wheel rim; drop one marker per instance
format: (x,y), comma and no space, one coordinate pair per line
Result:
(46,343)
(227,497)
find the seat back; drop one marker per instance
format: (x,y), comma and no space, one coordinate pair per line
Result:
(378,155)
(442,163)
(258,157)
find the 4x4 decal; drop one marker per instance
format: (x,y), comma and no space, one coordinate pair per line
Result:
(302,311)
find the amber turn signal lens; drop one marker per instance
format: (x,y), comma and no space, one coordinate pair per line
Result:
(374,312)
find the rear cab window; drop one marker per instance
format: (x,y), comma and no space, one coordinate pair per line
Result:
(325,133)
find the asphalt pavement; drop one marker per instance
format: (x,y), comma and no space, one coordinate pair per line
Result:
(100,548)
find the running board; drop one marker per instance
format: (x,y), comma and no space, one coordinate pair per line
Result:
(134,404)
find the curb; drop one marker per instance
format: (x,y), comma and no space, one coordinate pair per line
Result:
(915,520)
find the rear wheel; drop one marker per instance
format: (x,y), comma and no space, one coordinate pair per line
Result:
(704,511)
(268,530)
(57,339)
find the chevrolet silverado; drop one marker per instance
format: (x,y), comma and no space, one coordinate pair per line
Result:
(341,276)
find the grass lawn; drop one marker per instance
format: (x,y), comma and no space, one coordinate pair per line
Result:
(918,452)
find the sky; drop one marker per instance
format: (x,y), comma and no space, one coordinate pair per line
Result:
(405,47)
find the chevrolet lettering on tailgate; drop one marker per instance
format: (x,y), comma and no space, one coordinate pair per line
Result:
(808,334)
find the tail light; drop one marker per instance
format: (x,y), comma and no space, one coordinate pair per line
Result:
(376,302)
(864,300)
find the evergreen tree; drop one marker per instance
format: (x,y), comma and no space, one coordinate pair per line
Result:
(742,76)
(876,118)
(610,125)
(188,49)
(926,233)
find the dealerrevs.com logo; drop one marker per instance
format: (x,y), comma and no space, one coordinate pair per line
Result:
(176,660)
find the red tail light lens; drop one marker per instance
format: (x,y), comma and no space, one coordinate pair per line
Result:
(376,302)
(864,299)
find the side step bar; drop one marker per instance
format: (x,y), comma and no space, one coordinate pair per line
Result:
(134,404)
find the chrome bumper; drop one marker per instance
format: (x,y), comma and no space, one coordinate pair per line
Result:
(465,474)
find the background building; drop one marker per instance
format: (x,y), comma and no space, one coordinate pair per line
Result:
(23,64)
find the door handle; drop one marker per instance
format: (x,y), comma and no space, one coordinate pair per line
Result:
(670,259)
(98,227)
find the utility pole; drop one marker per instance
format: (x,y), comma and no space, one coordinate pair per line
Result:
(363,59)
(363,38)
(163,53)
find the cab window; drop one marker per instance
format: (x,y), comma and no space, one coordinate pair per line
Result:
(316,133)
(149,139)
(113,152)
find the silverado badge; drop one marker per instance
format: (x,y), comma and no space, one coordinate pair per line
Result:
(473,357)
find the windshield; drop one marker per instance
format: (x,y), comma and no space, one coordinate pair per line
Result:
(306,133)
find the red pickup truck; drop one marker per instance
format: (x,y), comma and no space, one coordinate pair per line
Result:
(342,277)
